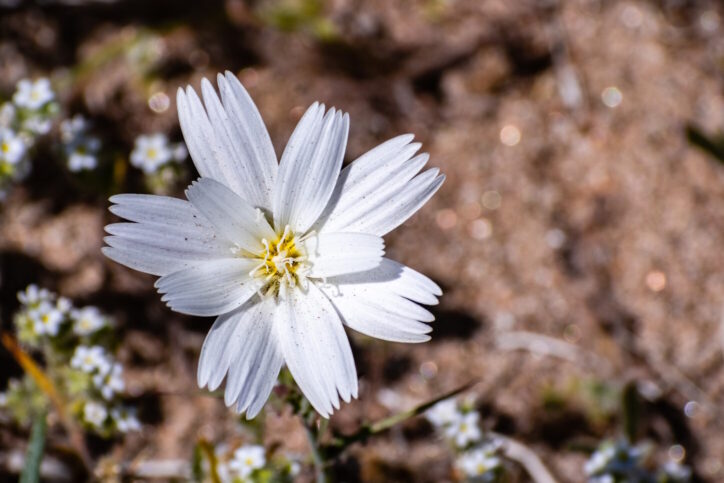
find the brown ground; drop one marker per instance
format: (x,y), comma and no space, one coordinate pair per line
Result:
(601,228)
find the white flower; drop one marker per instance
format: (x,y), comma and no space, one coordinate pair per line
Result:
(676,472)
(444,413)
(12,147)
(7,114)
(38,124)
(284,254)
(247,459)
(465,430)
(180,152)
(46,319)
(125,419)
(90,359)
(80,159)
(151,152)
(110,382)
(95,414)
(71,129)
(33,295)
(33,95)
(87,320)
(600,459)
(63,304)
(479,463)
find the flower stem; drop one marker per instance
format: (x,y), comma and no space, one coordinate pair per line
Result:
(317,458)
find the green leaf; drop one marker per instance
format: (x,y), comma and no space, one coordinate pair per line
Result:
(341,442)
(34,456)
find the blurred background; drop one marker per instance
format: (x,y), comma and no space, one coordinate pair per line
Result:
(578,238)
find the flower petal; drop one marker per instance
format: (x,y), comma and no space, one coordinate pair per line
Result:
(211,288)
(379,191)
(380,303)
(339,253)
(242,344)
(229,142)
(309,168)
(232,217)
(316,348)
(170,235)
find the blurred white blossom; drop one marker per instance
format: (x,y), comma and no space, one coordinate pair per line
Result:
(33,95)
(479,463)
(46,319)
(95,414)
(90,359)
(247,459)
(110,382)
(12,147)
(87,320)
(150,152)
(464,430)
(125,419)
(444,413)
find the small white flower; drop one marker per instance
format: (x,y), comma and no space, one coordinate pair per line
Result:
(444,413)
(95,414)
(46,319)
(63,304)
(284,253)
(38,124)
(12,147)
(294,468)
(180,152)
(80,161)
(602,479)
(33,295)
(479,463)
(7,114)
(90,359)
(600,459)
(465,430)
(151,152)
(87,320)
(247,459)
(3,399)
(71,129)
(125,419)
(110,382)
(33,95)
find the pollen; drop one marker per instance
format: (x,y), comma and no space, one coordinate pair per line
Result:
(283,264)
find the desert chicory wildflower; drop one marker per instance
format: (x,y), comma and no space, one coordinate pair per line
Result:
(284,253)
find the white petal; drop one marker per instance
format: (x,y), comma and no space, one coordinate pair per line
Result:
(251,137)
(210,288)
(379,191)
(309,168)
(379,302)
(230,145)
(339,253)
(171,235)
(316,349)
(232,217)
(242,343)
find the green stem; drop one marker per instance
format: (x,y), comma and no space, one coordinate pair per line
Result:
(36,446)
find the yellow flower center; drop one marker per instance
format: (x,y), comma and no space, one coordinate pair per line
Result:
(282,264)
(5,147)
(249,462)
(151,153)
(45,318)
(481,468)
